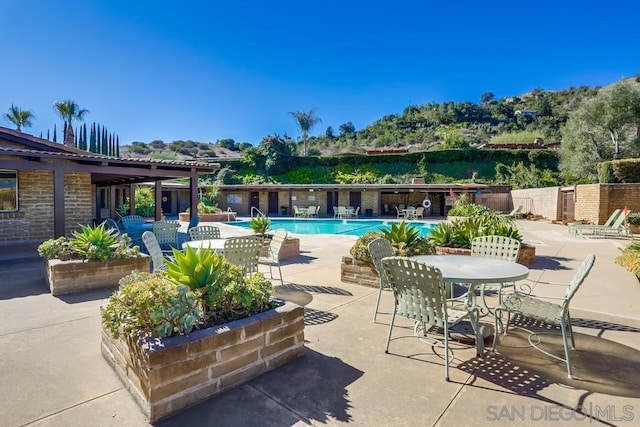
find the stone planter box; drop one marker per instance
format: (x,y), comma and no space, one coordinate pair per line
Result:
(219,217)
(290,249)
(526,255)
(358,272)
(167,375)
(457,218)
(66,277)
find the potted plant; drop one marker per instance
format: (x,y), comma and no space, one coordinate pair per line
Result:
(178,337)
(94,258)
(633,219)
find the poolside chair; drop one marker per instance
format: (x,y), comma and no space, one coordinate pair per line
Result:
(378,249)
(342,212)
(515,213)
(401,213)
(243,251)
(496,247)
(539,308)
(420,295)
(153,247)
(133,227)
(618,227)
(112,225)
(273,254)
(166,233)
(419,213)
(204,232)
(579,228)
(296,212)
(193,222)
(312,211)
(335,212)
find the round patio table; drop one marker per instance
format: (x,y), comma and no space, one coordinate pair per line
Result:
(474,270)
(215,245)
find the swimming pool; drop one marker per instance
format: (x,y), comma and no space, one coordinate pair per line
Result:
(334,226)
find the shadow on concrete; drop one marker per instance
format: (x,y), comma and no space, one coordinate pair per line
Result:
(86,296)
(550,263)
(317,317)
(22,278)
(292,294)
(318,289)
(599,365)
(603,326)
(300,259)
(311,389)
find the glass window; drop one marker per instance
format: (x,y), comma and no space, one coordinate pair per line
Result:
(234,199)
(8,190)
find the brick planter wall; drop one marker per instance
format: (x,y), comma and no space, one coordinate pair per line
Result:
(220,217)
(290,249)
(167,375)
(358,272)
(65,277)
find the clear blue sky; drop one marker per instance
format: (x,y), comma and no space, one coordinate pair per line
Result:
(207,70)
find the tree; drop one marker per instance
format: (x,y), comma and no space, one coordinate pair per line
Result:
(329,133)
(305,120)
(277,154)
(19,117)
(347,129)
(487,97)
(603,128)
(69,111)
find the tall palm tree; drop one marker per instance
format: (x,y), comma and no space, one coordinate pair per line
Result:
(69,111)
(19,117)
(306,120)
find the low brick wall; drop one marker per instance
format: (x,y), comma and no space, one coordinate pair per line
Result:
(358,272)
(290,249)
(66,277)
(220,217)
(168,375)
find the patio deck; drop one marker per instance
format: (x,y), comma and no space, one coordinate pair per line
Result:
(54,374)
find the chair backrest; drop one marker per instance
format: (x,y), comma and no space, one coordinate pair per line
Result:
(342,210)
(111,224)
(193,222)
(243,251)
(153,247)
(497,247)
(515,211)
(277,241)
(378,249)
(204,232)
(357,211)
(131,220)
(295,209)
(312,210)
(166,232)
(418,289)
(612,218)
(577,279)
(419,211)
(619,220)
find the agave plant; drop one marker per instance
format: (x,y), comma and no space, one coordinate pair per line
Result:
(95,242)
(195,268)
(260,224)
(401,233)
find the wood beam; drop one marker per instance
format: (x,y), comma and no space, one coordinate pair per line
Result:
(132,199)
(193,189)
(158,197)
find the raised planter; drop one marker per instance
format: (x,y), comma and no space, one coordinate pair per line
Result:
(167,375)
(290,249)
(205,217)
(526,255)
(457,218)
(66,277)
(358,272)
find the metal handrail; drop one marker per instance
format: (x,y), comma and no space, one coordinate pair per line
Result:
(259,212)
(230,212)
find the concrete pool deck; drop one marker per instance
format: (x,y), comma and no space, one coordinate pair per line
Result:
(53,373)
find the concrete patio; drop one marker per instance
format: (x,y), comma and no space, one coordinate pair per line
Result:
(53,373)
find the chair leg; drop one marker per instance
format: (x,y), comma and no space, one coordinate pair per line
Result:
(566,350)
(375,313)
(497,314)
(393,317)
(446,350)
(573,342)
(280,272)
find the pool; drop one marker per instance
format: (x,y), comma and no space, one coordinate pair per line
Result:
(334,226)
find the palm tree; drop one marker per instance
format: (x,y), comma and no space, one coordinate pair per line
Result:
(69,111)
(19,117)
(306,120)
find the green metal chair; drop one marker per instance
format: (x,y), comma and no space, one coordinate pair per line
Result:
(380,248)
(420,295)
(496,247)
(204,232)
(272,259)
(577,228)
(541,308)
(166,233)
(243,251)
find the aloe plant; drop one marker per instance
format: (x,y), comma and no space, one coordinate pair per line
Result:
(260,224)
(195,268)
(401,233)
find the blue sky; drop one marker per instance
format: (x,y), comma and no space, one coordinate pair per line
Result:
(207,70)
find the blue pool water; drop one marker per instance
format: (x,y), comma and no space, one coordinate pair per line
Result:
(334,226)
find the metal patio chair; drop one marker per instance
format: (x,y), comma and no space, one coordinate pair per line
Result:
(420,295)
(204,232)
(541,308)
(578,228)
(272,259)
(243,251)
(111,224)
(166,233)
(496,247)
(378,249)
(153,247)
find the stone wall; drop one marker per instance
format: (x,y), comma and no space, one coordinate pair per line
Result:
(358,272)
(539,201)
(167,375)
(78,208)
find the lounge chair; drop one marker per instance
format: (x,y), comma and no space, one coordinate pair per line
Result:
(618,227)
(579,228)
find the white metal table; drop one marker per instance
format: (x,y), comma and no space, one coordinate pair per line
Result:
(215,245)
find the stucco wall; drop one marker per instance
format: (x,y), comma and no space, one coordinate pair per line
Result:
(540,201)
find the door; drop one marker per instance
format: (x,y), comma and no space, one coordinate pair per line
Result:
(254,200)
(273,202)
(355,198)
(568,206)
(167,203)
(332,200)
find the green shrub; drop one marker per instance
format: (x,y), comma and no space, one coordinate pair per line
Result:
(460,233)
(260,224)
(634,218)
(97,243)
(626,170)
(360,249)
(630,259)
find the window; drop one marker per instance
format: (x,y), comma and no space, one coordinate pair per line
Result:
(8,190)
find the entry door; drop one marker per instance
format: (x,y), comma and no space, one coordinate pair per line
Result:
(254,200)
(355,198)
(332,200)
(273,202)
(167,203)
